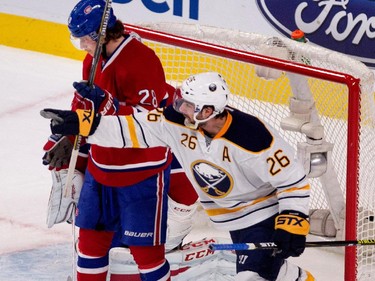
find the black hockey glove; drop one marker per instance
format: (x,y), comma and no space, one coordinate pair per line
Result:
(291,229)
(66,122)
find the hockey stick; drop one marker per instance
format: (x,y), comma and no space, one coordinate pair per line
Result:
(272,245)
(78,138)
(94,65)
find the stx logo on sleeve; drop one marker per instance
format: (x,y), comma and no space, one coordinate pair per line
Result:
(293,224)
(289,220)
(86,116)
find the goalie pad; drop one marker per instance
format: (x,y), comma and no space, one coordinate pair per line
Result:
(60,208)
(194,261)
(180,223)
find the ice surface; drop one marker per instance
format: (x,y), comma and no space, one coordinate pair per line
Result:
(29,251)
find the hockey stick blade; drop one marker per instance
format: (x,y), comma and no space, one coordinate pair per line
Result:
(272,245)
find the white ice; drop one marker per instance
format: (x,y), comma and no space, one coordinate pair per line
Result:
(30,251)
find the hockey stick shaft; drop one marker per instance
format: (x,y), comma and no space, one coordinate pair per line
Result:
(78,138)
(94,66)
(272,245)
(74,250)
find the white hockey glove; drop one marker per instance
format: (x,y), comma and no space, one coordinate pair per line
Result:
(194,261)
(60,208)
(180,223)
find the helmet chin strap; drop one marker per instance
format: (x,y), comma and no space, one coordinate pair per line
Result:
(197,122)
(190,125)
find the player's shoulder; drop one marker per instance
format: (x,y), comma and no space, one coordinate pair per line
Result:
(173,116)
(135,44)
(248,132)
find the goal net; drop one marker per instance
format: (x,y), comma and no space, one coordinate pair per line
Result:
(321,102)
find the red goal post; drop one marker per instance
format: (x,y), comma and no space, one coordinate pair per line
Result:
(338,89)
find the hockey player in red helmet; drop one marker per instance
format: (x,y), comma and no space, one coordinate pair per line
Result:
(125,191)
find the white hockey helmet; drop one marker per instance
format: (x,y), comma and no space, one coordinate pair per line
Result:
(204,89)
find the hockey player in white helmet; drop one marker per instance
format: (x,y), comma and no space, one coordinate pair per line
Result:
(246,175)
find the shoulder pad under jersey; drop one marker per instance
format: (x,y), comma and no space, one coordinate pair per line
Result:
(248,132)
(173,116)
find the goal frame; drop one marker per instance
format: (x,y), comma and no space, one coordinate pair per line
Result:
(354,94)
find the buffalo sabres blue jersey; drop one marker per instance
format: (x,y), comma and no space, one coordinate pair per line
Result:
(243,175)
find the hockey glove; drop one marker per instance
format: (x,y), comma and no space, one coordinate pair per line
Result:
(58,150)
(67,122)
(104,102)
(291,229)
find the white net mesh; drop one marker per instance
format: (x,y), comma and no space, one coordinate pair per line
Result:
(269,99)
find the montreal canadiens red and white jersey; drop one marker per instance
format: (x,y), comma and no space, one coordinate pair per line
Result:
(243,175)
(134,75)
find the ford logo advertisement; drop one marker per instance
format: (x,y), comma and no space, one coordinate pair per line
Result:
(346,26)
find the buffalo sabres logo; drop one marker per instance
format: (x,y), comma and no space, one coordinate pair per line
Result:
(213,180)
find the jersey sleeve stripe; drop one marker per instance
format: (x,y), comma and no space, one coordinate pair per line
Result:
(132,131)
(293,189)
(121,130)
(220,211)
(292,184)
